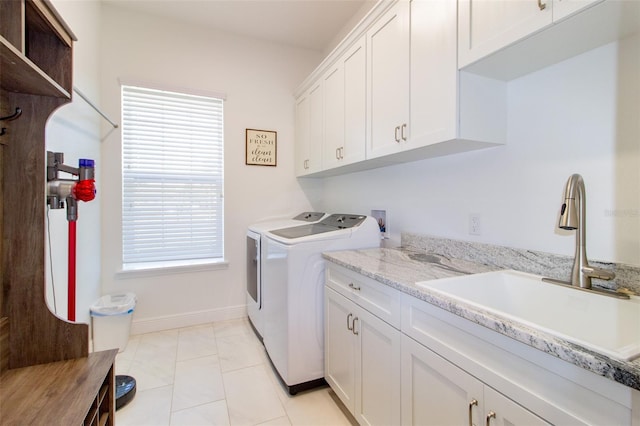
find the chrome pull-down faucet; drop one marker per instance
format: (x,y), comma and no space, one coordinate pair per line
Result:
(572,217)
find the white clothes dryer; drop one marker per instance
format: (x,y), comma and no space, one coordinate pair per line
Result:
(254,254)
(293,283)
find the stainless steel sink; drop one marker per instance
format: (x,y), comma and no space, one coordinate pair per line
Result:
(605,325)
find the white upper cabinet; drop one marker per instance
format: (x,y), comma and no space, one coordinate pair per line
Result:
(345,94)
(506,39)
(564,8)
(488,25)
(309,131)
(302,134)
(355,103)
(434,72)
(334,110)
(388,72)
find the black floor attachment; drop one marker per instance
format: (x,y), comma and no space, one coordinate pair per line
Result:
(125,390)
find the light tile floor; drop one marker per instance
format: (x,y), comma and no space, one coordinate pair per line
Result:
(214,374)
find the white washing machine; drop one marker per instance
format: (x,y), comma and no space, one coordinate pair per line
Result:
(254,255)
(293,283)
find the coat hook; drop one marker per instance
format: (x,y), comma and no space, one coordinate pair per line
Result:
(3,131)
(13,116)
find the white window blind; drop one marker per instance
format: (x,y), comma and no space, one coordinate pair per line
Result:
(172,176)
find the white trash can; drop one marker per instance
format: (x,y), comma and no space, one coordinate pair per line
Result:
(111,319)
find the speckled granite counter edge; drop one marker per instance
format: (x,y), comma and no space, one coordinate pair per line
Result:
(623,372)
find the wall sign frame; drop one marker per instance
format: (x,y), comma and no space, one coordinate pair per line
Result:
(261,148)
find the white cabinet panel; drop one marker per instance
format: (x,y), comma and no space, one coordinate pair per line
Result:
(438,393)
(434,72)
(355,103)
(435,391)
(388,103)
(488,25)
(302,134)
(501,411)
(377,371)
(362,357)
(339,350)
(309,131)
(564,8)
(334,115)
(345,108)
(316,129)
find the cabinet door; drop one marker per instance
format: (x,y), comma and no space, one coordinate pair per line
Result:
(339,347)
(564,8)
(434,72)
(377,371)
(355,103)
(388,65)
(486,26)
(436,392)
(501,411)
(316,129)
(334,115)
(302,134)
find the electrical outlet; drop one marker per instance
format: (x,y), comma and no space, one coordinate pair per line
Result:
(474,224)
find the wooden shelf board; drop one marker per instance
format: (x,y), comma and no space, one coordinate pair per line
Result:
(21,75)
(63,390)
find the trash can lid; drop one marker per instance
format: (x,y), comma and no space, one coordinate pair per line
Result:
(114,304)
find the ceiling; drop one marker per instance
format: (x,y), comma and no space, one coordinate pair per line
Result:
(311,24)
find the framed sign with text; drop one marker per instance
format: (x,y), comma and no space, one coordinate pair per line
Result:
(261,147)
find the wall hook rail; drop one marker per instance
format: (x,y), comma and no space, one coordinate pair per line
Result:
(13,116)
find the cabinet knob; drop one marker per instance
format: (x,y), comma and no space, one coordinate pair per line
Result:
(490,416)
(541,5)
(474,402)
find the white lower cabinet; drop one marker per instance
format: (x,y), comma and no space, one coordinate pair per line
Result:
(362,361)
(394,359)
(436,392)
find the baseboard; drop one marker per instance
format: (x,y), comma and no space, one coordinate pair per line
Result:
(149,325)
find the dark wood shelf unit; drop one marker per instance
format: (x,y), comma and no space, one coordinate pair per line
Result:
(46,372)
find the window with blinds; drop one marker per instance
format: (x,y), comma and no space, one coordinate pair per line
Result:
(172,177)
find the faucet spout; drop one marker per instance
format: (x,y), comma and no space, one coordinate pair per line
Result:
(573,217)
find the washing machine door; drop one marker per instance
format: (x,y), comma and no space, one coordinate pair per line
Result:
(253,267)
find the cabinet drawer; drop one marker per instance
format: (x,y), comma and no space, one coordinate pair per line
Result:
(377,298)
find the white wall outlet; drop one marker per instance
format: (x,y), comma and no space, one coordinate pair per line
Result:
(475,227)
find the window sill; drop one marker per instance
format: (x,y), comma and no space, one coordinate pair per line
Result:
(169,268)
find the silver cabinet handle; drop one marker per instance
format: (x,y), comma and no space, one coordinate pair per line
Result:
(404,132)
(471,404)
(353,286)
(354,326)
(395,133)
(337,155)
(541,5)
(342,152)
(349,327)
(490,416)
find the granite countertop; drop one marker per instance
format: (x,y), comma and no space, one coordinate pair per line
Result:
(402,268)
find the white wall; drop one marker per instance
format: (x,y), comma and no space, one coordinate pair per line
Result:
(75,130)
(579,116)
(259,79)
